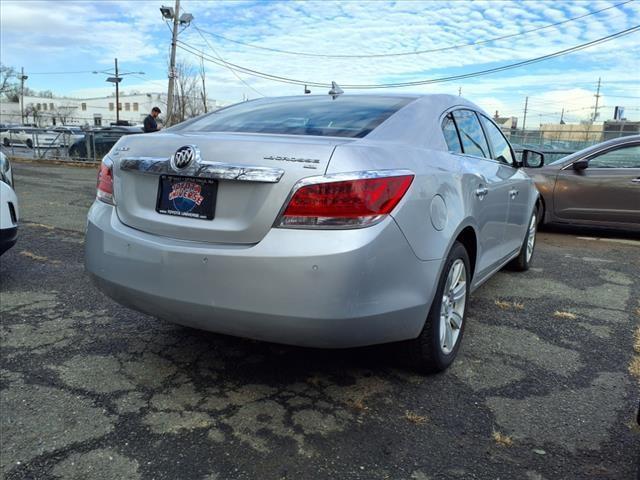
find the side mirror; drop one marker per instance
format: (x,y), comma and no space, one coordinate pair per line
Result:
(532,158)
(580,164)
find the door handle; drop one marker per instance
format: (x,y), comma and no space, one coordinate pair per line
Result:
(513,194)
(481,192)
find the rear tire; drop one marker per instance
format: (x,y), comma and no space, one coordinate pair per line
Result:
(523,261)
(437,345)
(29,143)
(6,142)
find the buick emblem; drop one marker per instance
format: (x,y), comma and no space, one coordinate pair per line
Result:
(184,157)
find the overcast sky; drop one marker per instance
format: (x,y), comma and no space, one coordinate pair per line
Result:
(69,36)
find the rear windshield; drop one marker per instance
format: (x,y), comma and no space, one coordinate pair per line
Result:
(320,116)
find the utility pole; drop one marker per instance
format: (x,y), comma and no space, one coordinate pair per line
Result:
(117,82)
(597,95)
(459,91)
(23,77)
(524,120)
(562,117)
(204,87)
(172,63)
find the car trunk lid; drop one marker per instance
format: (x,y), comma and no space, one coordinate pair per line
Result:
(254,174)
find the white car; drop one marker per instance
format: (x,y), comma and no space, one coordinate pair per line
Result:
(31,137)
(8,206)
(67,136)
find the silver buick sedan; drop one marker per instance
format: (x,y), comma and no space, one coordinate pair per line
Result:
(323,221)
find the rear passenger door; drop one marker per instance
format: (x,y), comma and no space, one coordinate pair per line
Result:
(486,186)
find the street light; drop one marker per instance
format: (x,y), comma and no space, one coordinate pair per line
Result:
(183,20)
(116,79)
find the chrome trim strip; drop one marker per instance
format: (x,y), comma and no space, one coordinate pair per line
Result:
(336,177)
(216,170)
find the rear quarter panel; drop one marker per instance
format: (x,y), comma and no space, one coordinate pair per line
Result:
(438,183)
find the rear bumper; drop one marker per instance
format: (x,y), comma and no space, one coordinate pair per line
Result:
(301,287)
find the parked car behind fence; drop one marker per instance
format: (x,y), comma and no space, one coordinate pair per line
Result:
(97,143)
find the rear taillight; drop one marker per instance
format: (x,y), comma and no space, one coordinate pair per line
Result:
(345,202)
(105,182)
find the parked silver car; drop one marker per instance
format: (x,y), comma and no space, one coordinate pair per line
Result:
(332,221)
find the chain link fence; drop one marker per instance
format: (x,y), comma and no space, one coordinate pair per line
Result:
(557,143)
(45,144)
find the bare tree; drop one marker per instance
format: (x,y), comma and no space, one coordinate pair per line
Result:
(187,99)
(64,112)
(7,80)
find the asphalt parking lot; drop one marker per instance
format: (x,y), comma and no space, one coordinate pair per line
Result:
(543,388)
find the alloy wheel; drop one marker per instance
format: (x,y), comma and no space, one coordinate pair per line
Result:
(454,298)
(531,237)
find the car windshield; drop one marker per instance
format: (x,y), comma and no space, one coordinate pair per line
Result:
(319,116)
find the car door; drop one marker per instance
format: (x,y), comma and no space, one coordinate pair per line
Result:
(607,191)
(486,183)
(519,183)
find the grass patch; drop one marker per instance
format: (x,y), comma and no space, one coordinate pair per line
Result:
(504,305)
(415,418)
(564,315)
(502,439)
(634,366)
(357,405)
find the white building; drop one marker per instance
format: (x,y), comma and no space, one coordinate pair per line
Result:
(100,111)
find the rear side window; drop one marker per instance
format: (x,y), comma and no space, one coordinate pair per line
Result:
(451,134)
(625,157)
(471,134)
(501,148)
(344,116)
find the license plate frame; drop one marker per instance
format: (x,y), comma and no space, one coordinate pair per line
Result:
(187,197)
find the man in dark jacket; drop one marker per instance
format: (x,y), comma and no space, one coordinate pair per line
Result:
(150,124)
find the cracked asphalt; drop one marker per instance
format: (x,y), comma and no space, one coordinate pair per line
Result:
(543,387)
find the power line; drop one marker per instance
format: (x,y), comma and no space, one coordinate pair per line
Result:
(415,52)
(235,74)
(60,73)
(582,46)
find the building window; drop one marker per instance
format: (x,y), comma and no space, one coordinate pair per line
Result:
(127,106)
(51,106)
(119,106)
(97,120)
(111,106)
(135,106)
(84,107)
(44,106)
(39,106)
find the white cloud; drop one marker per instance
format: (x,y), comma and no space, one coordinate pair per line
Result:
(69,33)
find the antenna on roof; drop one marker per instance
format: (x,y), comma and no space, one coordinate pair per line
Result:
(335,90)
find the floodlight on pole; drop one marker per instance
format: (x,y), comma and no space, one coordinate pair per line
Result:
(186,18)
(167,12)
